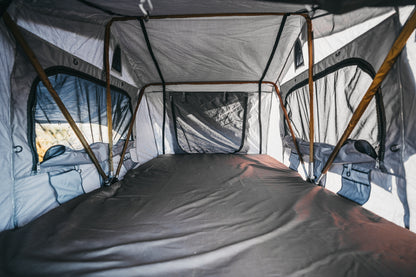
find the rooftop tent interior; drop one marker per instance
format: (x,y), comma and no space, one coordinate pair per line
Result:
(197,122)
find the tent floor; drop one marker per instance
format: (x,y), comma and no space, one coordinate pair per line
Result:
(209,215)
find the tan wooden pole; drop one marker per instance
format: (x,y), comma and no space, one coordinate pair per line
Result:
(108,96)
(129,132)
(290,129)
(311,98)
(388,63)
(44,78)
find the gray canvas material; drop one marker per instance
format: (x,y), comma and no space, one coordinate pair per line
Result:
(209,215)
(33,195)
(7,148)
(392,164)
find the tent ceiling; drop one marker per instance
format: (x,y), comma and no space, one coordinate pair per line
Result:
(100,12)
(214,49)
(343,6)
(168,7)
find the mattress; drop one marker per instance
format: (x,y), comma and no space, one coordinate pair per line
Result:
(209,215)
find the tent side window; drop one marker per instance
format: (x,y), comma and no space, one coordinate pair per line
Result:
(85,99)
(213,122)
(298,55)
(337,92)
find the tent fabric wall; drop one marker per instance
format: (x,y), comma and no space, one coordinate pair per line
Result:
(408,99)
(59,180)
(146,146)
(328,39)
(274,141)
(22,80)
(153,118)
(81,37)
(7,198)
(34,194)
(380,39)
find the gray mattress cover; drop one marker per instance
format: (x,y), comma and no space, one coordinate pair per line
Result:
(209,215)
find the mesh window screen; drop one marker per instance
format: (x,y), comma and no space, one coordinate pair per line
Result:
(337,95)
(85,99)
(298,54)
(209,122)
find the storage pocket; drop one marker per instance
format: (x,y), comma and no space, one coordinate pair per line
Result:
(355,183)
(67,185)
(294,161)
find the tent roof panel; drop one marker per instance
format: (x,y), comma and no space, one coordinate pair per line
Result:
(214,49)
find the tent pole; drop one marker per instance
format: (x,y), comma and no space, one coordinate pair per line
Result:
(108,96)
(126,143)
(223,15)
(295,142)
(155,17)
(388,63)
(42,75)
(276,43)
(311,98)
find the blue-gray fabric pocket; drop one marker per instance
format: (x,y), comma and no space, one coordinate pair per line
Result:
(355,183)
(67,185)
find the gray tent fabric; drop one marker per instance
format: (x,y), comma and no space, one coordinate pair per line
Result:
(240,215)
(154,104)
(390,164)
(163,7)
(7,147)
(344,6)
(31,193)
(239,55)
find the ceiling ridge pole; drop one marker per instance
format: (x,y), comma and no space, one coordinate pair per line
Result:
(384,69)
(276,43)
(149,47)
(14,29)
